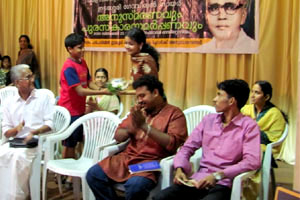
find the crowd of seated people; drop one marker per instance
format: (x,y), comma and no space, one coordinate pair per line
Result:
(231,140)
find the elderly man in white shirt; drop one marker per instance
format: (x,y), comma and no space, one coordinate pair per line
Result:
(25,115)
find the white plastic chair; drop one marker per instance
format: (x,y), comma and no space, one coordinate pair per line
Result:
(61,121)
(98,128)
(49,93)
(121,108)
(236,192)
(267,169)
(6,92)
(194,116)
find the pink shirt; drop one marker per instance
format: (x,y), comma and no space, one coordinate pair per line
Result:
(233,149)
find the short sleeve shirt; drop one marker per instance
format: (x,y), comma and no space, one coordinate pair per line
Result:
(72,75)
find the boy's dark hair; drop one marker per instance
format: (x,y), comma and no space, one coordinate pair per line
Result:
(139,36)
(151,82)
(236,88)
(73,39)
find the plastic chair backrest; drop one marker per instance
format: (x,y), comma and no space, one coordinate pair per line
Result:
(61,119)
(121,109)
(7,92)
(49,93)
(99,129)
(195,114)
(266,166)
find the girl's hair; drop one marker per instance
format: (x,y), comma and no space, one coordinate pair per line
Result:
(267,89)
(139,36)
(5,57)
(27,39)
(102,70)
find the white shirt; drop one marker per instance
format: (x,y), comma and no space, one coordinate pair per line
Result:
(37,110)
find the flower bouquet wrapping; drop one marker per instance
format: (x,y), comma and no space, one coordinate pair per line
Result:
(116,85)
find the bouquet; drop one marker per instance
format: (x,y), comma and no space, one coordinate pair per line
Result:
(116,85)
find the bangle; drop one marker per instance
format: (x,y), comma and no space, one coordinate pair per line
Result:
(148,129)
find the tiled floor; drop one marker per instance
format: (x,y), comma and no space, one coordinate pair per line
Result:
(283,174)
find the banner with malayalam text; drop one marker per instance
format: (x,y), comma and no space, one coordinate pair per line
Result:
(203,26)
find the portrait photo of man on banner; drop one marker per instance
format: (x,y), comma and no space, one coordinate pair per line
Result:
(200,26)
(225,20)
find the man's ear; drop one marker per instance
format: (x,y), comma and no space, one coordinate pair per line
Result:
(232,100)
(244,16)
(155,92)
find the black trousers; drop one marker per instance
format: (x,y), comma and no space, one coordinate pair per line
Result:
(182,192)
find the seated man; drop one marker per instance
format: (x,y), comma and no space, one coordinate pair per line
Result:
(230,144)
(26,114)
(155,129)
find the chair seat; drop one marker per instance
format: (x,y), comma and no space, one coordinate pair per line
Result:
(62,166)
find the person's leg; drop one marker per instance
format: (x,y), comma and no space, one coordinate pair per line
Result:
(219,192)
(138,188)
(71,142)
(100,184)
(179,192)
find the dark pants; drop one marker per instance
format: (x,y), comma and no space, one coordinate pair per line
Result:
(181,192)
(136,188)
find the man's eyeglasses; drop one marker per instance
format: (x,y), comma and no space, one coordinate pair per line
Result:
(27,77)
(229,8)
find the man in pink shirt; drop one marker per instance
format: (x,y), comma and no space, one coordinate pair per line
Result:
(230,144)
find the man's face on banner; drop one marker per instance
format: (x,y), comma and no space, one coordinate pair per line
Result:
(224,17)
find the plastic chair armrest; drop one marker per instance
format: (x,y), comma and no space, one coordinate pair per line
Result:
(237,184)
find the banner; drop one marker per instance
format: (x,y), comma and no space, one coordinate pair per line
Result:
(203,26)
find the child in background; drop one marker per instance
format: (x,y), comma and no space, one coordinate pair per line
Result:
(5,71)
(76,84)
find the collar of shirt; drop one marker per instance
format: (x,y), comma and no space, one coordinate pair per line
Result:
(32,95)
(236,120)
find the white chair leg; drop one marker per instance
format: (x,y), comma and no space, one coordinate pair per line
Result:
(44,185)
(76,187)
(35,178)
(59,184)
(86,192)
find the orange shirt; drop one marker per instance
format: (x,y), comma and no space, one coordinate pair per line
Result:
(142,148)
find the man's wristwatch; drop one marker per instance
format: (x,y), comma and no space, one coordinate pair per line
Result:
(217,176)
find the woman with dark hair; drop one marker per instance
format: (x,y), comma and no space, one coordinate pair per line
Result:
(109,103)
(269,118)
(27,56)
(271,122)
(5,71)
(144,57)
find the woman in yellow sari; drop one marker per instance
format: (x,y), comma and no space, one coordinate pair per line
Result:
(269,118)
(271,122)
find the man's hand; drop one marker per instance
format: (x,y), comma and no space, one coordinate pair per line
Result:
(179,174)
(29,137)
(138,118)
(206,183)
(20,126)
